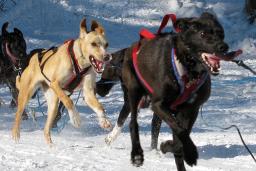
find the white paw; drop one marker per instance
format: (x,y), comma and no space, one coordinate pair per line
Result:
(105,123)
(109,139)
(74,118)
(16,134)
(113,135)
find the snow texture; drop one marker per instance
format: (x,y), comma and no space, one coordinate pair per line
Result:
(47,23)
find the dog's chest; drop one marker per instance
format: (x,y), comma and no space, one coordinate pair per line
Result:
(189,80)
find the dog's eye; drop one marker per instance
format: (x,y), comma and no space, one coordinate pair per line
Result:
(202,34)
(94,44)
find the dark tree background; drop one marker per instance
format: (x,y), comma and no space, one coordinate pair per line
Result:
(250,8)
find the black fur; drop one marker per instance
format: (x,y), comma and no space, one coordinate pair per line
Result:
(198,35)
(9,71)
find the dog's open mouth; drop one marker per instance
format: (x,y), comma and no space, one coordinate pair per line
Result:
(213,60)
(97,65)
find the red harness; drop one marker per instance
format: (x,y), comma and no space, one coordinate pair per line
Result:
(187,89)
(78,73)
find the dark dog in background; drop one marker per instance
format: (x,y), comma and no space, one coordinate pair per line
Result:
(250,9)
(13,59)
(197,48)
(110,77)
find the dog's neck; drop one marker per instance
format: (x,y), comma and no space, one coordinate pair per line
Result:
(188,59)
(83,61)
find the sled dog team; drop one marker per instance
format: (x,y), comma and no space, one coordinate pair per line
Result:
(172,70)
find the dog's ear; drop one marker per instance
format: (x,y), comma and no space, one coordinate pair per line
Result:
(183,23)
(97,27)
(4,27)
(83,28)
(207,15)
(17,31)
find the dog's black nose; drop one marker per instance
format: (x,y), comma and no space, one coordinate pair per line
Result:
(223,47)
(107,57)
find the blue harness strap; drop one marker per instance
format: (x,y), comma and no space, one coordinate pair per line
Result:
(176,73)
(186,91)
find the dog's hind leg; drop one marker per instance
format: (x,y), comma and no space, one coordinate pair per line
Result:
(137,157)
(155,129)
(135,93)
(120,121)
(27,89)
(60,110)
(52,101)
(14,92)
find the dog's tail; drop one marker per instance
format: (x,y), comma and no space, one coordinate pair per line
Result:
(18,82)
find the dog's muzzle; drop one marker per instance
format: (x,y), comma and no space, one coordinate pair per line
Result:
(213,60)
(107,57)
(96,64)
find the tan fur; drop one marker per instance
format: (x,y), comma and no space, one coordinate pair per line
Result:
(59,69)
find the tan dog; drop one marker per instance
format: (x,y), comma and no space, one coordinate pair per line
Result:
(90,51)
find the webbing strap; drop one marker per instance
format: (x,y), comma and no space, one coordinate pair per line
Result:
(77,77)
(144,33)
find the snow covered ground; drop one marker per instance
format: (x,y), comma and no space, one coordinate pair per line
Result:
(50,22)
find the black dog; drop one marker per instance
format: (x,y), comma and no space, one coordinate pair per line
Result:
(13,59)
(197,48)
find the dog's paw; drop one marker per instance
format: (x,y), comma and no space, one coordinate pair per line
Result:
(105,123)
(24,116)
(109,139)
(48,139)
(190,152)
(167,146)
(113,135)
(137,158)
(189,149)
(16,134)
(74,118)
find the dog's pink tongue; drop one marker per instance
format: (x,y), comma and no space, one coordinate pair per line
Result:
(99,65)
(213,60)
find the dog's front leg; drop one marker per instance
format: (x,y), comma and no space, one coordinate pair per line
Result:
(73,114)
(92,101)
(189,148)
(120,121)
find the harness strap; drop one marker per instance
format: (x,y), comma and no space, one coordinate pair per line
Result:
(144,33)
(71,53)
(165,21)
(189,90)
(40,57)
(135,65)
(78,73)
(186,89)
(77,77)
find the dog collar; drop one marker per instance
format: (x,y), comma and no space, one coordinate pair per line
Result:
(6,52)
